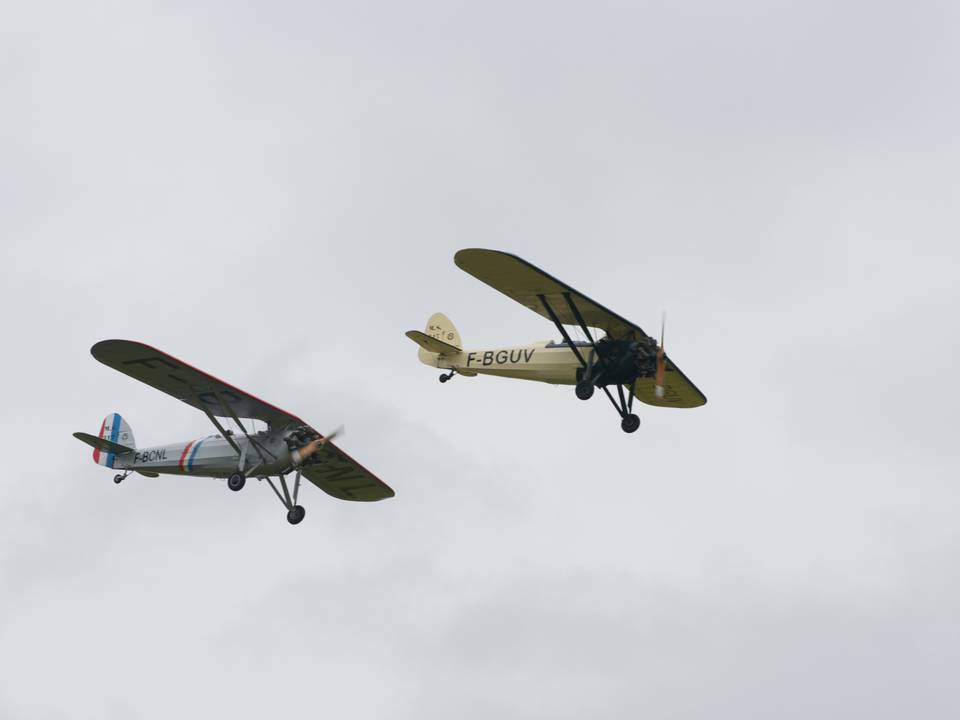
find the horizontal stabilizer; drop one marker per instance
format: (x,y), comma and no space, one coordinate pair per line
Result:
(101,444)
(431,344)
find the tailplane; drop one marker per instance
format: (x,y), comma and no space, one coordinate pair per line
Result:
(440,337)
(115,438)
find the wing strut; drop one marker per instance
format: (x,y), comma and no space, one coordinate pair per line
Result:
(562,329)
(579,317)
(226,436)
(256,446)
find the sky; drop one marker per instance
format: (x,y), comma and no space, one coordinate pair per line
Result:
(274,192)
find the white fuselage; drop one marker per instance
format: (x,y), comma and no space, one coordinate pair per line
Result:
(211,456)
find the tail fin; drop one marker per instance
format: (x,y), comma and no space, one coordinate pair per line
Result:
(115,430)
(440,327)
(439,337)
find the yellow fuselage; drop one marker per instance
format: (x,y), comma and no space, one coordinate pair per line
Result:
(543,361)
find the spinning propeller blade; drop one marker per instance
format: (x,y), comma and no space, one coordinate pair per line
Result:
(301,454)
(340,430)
(660,374)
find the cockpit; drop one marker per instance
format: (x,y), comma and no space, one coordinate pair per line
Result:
(564,343)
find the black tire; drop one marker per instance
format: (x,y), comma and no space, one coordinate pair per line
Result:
(118,479)
(236,481)
(444,378)
(630,423)
(295,514)
(584,390)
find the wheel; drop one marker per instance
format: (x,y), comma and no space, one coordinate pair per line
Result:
(118,479)
(630,423)
(584,390)
(236,481)
(295,514)
(444,378)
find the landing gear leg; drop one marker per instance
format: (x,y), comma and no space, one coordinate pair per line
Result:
(630,422)
(295,513)
(120,477)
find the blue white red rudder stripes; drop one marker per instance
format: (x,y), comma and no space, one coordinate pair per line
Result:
(116,430)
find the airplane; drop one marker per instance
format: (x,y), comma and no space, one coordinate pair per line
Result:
(624,358)
(288,445)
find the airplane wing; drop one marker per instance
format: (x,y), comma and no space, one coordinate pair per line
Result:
(341,476)
(188,384)
(679,392)
(525,283)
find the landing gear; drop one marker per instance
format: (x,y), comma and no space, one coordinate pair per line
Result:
(612,362)
(118,478)
(236,481)
(584,390)
(295,514)
(447,376)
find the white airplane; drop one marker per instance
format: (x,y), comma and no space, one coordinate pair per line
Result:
(625,358)
(288,445)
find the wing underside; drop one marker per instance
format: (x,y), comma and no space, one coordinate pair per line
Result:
(678,391)
(530,286)
(341,476)
(188,384)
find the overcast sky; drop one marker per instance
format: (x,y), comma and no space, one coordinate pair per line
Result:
(274,192)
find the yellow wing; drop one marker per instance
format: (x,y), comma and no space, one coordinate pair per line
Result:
(526,283)
(679,392)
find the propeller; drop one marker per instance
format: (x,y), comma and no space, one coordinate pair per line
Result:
(340,430)
(661,372)
(301,454)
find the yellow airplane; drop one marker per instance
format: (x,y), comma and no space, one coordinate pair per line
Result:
(624,358)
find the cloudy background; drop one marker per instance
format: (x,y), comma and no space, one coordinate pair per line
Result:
(274,192)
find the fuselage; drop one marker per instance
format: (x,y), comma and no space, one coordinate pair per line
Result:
(544,361)
(211,456)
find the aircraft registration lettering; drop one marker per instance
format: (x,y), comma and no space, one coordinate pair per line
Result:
(499,357)
(150,456)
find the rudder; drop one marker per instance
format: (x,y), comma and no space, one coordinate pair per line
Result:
(442,328)
(116,430)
